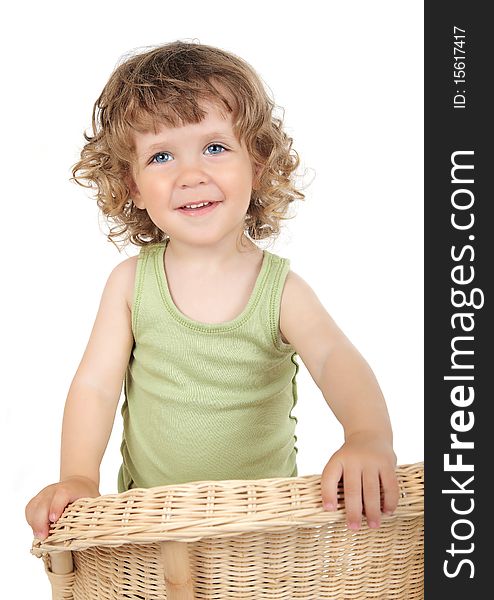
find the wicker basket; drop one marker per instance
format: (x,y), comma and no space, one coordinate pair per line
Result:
(265,538)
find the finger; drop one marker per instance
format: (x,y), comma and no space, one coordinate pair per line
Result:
(59,501)
(29,511)
(372,497)
(40,523)
(41,532)
(36,515)
(33,506)
(391,490)
(352,486)
(329,484)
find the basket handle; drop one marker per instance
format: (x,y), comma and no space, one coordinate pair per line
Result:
(61,575)
(61,562)
(176,568)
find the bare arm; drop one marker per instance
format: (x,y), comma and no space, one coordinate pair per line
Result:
(352,392)
(91,403)
(366,460)
(95,390)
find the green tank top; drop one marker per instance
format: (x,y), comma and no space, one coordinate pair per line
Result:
(207,401)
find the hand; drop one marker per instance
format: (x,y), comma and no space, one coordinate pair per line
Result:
(366,462)
(49,504)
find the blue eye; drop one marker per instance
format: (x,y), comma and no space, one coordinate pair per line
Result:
(160,162)
(217,146)
(157,158)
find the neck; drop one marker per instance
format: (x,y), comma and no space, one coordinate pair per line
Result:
(207,257)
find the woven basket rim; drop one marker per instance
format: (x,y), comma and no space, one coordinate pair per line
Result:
(191,511)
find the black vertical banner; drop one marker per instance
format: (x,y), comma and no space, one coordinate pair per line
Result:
(459,243)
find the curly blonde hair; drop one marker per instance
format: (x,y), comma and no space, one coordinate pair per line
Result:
(163,86)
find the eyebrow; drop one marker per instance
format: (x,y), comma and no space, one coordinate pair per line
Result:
(212,134)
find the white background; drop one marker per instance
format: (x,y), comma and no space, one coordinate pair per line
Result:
(350,78)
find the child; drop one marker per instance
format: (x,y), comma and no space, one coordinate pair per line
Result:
(202,326)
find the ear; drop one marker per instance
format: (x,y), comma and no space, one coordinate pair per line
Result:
(134,191)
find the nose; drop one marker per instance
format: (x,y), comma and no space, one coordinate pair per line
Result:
(191,174)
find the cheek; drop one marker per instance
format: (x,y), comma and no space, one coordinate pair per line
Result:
(238,178)
(156,185)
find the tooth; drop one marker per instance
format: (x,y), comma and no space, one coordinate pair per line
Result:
(196,205)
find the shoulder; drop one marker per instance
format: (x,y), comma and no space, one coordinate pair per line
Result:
(122,278)
(302,314)
(297,296)
(296,292)
(307,326)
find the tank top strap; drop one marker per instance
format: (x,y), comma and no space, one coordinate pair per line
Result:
(279,268)
(146,289)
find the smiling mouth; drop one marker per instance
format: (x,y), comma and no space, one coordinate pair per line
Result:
(197,205)
(198,208)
